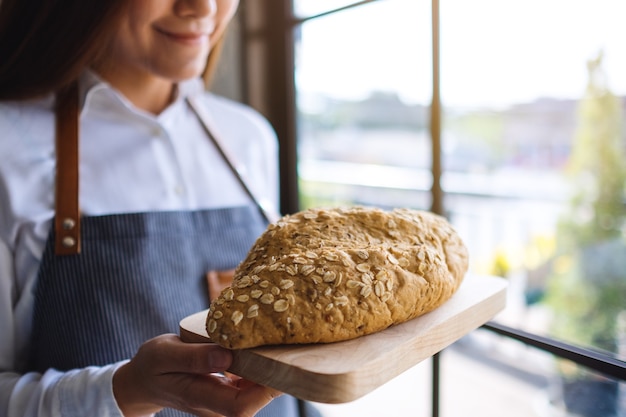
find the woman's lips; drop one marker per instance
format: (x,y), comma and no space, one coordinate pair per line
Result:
(186,38)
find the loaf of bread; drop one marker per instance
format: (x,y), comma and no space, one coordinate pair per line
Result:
(327,275)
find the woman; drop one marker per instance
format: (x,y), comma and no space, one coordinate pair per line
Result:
(105,241)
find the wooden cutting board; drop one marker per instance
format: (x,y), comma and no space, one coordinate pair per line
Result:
(344,371)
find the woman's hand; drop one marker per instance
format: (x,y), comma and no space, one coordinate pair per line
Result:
(167,372)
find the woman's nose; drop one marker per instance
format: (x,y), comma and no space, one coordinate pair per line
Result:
(196,8)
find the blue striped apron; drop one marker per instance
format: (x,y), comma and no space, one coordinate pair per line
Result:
(136,277)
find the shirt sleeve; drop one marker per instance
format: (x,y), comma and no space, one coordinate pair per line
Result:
(74,393)
(7,343)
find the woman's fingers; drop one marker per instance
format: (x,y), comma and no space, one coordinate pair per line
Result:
(167,372)
(234,395)
(175,356)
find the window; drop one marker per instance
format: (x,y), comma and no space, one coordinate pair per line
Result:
(533,164)
(362,96)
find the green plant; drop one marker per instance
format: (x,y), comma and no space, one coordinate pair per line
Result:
(588,282)
(587,287)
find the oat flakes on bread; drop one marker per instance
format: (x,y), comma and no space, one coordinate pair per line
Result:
(327,275)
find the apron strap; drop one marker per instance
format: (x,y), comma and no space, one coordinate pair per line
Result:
(264,207)
(67,212)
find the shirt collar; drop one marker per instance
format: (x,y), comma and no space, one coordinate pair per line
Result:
(91,85)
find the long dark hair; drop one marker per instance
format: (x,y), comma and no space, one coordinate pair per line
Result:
(46,44)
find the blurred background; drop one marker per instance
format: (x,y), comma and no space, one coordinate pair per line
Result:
(507,118)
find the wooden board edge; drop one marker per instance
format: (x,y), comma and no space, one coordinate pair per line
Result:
(350,386)
(190,331)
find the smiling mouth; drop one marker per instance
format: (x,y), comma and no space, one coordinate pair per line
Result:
(187,38)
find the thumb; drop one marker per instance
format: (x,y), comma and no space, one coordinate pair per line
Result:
(198,358)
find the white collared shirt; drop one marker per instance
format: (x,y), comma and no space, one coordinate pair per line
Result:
(130,161)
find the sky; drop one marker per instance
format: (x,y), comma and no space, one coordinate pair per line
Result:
(494,52)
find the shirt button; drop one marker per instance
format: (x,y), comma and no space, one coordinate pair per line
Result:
(179,190)
(157,131)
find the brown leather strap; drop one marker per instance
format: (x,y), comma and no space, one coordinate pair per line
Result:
(67,217)
(269,215)
(67,212)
